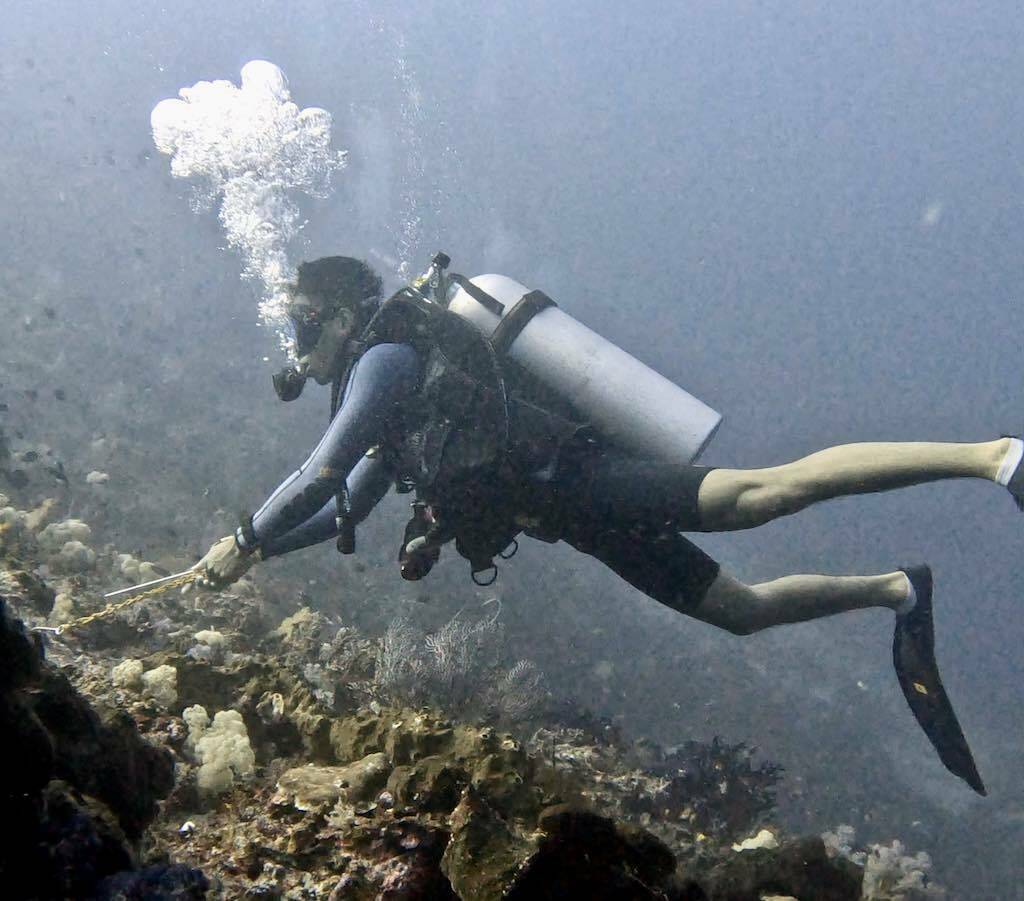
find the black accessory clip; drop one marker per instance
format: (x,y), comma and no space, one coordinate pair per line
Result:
(346,542)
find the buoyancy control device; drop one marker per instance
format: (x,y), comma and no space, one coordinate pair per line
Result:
(621,400)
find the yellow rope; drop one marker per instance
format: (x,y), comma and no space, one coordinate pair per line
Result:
(111,609)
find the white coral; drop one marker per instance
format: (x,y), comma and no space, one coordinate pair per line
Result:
(161,684)
(128,567)
(210,637)
(127,674)
(889,873)
(223,748)
(13,524)
(197,720)
(58,534)
(64,609)
(764,839)
(74,557)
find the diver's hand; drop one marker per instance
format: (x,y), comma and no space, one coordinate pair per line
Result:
(224,563)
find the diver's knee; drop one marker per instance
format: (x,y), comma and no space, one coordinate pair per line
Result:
(776,493)
(742,624)
(734,499)
(730,605)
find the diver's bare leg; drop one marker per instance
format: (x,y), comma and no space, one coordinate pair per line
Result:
(745,609)
(732,499)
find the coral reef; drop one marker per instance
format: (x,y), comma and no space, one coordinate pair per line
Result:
(416,766)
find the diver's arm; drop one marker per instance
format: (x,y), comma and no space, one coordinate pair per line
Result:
(367,484)
(383,380)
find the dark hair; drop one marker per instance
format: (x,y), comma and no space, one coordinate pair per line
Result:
(341,282)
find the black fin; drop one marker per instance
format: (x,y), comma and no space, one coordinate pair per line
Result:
(913,654)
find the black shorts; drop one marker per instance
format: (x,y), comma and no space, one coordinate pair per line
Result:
(629,514)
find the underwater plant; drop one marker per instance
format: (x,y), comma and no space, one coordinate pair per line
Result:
(717,786)
(457,669)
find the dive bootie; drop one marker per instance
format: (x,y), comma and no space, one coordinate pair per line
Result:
(1015,485)
(913,653)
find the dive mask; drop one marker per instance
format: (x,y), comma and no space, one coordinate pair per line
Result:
(307,325)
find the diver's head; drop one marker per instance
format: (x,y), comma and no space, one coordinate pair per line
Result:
(330,302)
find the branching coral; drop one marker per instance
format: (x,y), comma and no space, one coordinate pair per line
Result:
(889,873)
(457,669)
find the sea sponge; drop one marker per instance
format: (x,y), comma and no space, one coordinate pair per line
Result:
(128,674)
(57,534)
(13,526)
(222,749)
(212,647)
(136,571)
(128,567)
(197,720)
(210,637)
(74,557)
(161,684)
(64,609)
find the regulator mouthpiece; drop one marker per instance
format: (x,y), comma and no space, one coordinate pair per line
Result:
(289,382)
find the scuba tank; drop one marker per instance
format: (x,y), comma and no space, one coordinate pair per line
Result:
(624,400)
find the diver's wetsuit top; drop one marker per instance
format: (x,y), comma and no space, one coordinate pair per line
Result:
(627,513)
(301,511)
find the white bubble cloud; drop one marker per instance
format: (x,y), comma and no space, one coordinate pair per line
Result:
(250,151)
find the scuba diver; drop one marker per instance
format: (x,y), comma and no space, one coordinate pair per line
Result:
(426,400)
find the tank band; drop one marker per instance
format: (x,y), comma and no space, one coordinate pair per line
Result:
(479,295)
(517,318)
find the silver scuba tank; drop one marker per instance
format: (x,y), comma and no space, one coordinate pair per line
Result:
(625,401)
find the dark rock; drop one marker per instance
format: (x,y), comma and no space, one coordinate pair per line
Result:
(200,682)
(20,657)
(506,778)
(800,868)
(167,882)
(416,847)
(37,593)
(16,478)
(586,855)
(103,756)
(82,842)
(485,853)
(723,789)
(27,756)
(76,788)
(354,737)
(433,784)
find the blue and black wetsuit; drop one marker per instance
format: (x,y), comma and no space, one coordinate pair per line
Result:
(627,513)
(301,511)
